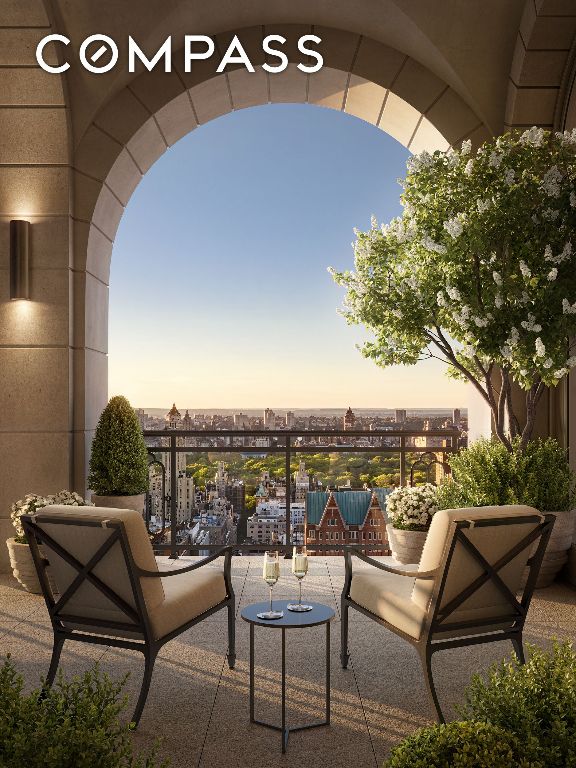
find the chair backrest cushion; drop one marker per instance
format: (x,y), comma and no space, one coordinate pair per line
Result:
(493,542)
(82,542)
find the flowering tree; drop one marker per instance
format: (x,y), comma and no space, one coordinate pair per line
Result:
(479,271)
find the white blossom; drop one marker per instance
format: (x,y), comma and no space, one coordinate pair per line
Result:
(498,301)
(550,214)
(509,176)
(454,227)
(497,277)
(552,275)
(418,162)
(551,182)
(540,347)
(483,205)
(573,199)
(530,324)
(548,363)
(454,293)
(571,362)
(430,245)
(495,159)
(440,299)
(525,298)
(469,167)
(533,136)
(567,308)
(466,147)
(480,322)
(506,351)
(514,337)
(525,269)
(548,253)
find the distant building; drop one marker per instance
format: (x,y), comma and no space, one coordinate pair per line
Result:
(346,517)
(290,420)
(400,416)
(269,419)
(349,419)
(301,483)
(241,421)
(456,417)
(268,523)
(185,494)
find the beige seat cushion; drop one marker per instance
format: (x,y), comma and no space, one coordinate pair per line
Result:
(389,597)
(186,597)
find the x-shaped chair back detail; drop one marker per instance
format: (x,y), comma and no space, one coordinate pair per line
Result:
(93,579)
(483,571)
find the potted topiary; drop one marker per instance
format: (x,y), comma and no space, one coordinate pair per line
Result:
(18,550)
(409,511)
(538,475)
(119,462)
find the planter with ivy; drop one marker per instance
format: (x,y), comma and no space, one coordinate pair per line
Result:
(409,512)
(19,553)
(119,461)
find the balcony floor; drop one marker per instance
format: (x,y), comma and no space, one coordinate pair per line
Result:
(200,708)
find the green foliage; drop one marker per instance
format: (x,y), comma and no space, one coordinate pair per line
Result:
(119,461)
(535,701)
(488,474)
(382,470)
(461,745)
(75,724)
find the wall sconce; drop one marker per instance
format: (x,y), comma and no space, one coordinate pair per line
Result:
(19,257)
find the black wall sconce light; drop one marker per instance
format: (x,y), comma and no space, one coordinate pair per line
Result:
(19,259)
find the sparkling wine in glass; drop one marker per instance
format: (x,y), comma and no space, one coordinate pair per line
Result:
(299,569)
(271,574)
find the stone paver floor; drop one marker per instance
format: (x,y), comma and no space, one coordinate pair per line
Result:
(199,708)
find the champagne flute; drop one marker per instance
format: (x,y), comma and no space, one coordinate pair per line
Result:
(299,569)
(271,574)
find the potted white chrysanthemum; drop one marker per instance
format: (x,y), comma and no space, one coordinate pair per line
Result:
(20,556)
(409,510)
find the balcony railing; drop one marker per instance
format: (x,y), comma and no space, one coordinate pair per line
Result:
(289,443)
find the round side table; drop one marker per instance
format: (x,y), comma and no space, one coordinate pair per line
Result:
(320,614)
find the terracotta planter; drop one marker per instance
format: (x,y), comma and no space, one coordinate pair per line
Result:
(556,554)
(407,546)
(120,502)
(23,566)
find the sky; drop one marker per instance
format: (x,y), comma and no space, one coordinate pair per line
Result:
(219,291)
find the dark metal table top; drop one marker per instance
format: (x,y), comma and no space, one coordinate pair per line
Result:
(320,614)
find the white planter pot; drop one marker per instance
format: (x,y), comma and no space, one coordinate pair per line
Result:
(407,546)
(120,502)
(23,566)
(556,554)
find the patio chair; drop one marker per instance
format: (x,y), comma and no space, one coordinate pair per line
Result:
(102,584)
(466,590)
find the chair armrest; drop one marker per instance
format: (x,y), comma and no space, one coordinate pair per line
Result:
(390,569)
(227,551)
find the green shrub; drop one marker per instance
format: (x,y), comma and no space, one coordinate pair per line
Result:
(487,474)
(75,724)
(460,745)
(119,461)
(535,701)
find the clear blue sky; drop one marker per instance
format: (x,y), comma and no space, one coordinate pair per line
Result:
(226,242)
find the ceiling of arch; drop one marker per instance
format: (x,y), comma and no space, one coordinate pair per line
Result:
(469,45)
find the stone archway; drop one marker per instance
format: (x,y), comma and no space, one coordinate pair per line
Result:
(360,77)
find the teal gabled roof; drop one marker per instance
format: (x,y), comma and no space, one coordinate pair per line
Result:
(353,505)
(382,494)
(315,505)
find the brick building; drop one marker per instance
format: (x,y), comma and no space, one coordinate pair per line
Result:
(347,517)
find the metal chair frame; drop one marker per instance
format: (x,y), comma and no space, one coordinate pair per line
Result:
(436,616)
(138,620)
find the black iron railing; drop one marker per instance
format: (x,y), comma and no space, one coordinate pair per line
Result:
(289,443)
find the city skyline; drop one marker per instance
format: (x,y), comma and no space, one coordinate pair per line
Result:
(234,267)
